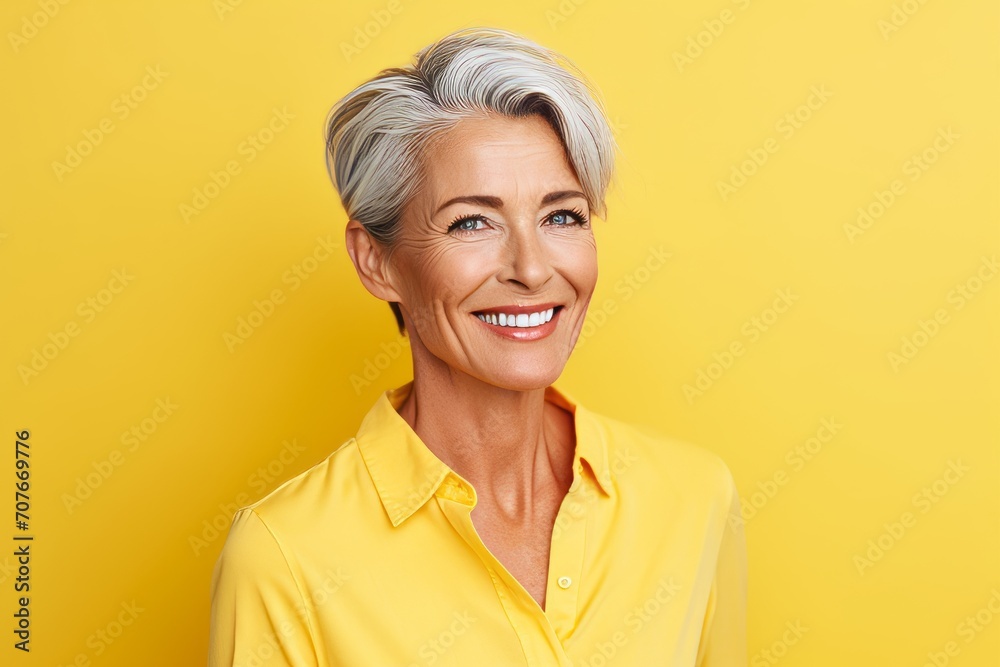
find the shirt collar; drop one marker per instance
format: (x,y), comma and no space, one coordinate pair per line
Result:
(406,473)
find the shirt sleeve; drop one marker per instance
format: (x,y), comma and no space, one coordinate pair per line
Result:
(724,635)
(258,614)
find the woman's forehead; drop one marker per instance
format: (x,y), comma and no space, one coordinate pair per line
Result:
(515,154)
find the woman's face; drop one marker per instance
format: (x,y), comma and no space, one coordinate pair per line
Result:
(520,244)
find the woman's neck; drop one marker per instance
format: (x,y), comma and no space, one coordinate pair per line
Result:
(511,445)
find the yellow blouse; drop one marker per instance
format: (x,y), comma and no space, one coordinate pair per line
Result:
(370,559)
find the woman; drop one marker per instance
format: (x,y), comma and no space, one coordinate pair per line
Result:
(481,516)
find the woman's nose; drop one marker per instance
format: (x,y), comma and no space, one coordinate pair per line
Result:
(526,257)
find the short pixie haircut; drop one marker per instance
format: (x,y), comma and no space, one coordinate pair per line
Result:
(376,133)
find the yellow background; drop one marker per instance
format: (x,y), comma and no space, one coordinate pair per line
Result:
(693,93)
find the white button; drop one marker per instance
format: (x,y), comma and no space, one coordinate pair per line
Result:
(565,582)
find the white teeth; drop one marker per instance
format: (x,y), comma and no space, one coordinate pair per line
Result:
(523,320)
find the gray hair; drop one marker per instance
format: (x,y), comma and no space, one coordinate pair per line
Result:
(377,132)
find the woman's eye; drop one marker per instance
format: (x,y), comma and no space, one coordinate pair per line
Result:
(567,219)
(471,224)
(465,225)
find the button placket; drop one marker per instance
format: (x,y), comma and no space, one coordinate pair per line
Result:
(512,597)
(566,559)
(522,610)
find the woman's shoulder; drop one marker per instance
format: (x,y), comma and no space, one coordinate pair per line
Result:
(314,489)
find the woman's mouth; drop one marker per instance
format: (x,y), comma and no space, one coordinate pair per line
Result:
(521,326)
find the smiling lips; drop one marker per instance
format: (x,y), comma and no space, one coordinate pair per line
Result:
(521,322)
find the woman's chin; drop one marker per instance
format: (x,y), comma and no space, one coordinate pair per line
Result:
(523,376)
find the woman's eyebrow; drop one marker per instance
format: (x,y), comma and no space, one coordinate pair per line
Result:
(496,202)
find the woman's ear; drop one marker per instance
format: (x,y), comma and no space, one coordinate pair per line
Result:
(370,260)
